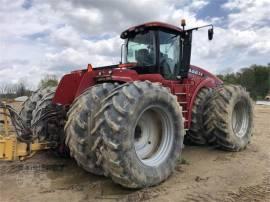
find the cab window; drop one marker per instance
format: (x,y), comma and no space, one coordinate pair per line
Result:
(169,54)
(141,49)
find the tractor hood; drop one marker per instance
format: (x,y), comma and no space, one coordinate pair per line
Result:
(75,83)
(203,73)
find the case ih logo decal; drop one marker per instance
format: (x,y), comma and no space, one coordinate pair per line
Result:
(193,71)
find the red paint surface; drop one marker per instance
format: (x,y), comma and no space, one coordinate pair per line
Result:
(65,93)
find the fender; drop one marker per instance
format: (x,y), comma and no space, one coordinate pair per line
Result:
(209,82)
(66,89)
(74,84)
(102,75)
(86,82)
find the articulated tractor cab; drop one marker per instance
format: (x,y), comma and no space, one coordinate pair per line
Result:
(130,121)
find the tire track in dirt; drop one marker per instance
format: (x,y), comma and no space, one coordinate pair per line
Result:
(198,195)
(200,198)
(260,192)
(255,193)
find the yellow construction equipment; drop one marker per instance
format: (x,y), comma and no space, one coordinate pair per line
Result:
(12,129)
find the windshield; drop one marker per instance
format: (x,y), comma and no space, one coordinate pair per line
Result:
(141,49)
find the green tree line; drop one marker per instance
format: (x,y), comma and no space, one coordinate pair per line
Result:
(256,79)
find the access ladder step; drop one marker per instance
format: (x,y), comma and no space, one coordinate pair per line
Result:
(180,93)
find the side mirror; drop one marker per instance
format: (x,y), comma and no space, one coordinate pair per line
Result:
(210,33)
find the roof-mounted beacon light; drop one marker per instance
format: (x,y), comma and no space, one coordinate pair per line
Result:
(183,23)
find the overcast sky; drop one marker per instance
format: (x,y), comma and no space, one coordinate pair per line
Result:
(40,37)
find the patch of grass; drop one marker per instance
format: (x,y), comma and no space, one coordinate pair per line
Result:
(183,161)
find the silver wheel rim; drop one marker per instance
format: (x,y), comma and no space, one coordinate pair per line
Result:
(153,136)
(240,119)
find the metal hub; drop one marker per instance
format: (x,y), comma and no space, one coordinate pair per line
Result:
(153,136)
(240,119)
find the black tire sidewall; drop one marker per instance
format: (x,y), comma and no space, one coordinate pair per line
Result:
(153,175)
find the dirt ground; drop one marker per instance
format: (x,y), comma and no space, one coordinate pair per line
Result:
(206,174)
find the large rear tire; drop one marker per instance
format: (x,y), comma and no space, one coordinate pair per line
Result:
(196,134)
(230,117)
(29,106)
(41,129)
(80,122)
(142,129)
(49,129)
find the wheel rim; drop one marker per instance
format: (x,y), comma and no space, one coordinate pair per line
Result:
(153,136)
(240,119)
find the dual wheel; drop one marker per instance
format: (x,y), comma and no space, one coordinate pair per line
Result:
(132,132)
(44,129)
(222,117)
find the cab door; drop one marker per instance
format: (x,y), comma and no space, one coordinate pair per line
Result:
(169,54)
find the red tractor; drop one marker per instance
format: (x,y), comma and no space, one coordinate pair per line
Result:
(128,121)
